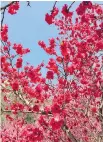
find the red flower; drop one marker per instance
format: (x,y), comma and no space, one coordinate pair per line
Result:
(38,88)
(32,134)
(42,122)
(17,106)
(12,9)
(19,63)
(35,135)
(9,117)
(59,59)
(5,99)
(25,51)
(99,45)
(15,86)
(87,4)
(99,32)
(5,48)
(3,59)
(56,108)
(49,19)
(16,6)
(65,11)
(85,18)
(55,12)
(83,6)
(18,48)
(64,50)
(50,75)
(36,108)
(42,44)
(46,87)
(70,69)
(56,124)
(52,65)
(4,32)
(94,110)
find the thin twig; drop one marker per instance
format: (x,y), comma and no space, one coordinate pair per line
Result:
(2,18)
(28,3)
(69,134)
(11,111)
(71,5)
(53,7)
(4,7)
(3,14)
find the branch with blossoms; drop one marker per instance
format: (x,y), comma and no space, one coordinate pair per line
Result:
(7,5)
(67,101)
(12,8)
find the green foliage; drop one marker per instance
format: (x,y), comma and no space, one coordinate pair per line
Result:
(29,118)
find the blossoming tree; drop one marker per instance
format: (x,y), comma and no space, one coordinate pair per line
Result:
(67,104)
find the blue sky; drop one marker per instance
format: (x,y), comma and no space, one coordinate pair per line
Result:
(28,27)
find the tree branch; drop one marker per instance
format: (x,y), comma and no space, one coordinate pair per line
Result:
(11,111)
(2,18)
(3,13)
(53,7)
(4,7)
(28,3)
(69,134)
(71,5)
